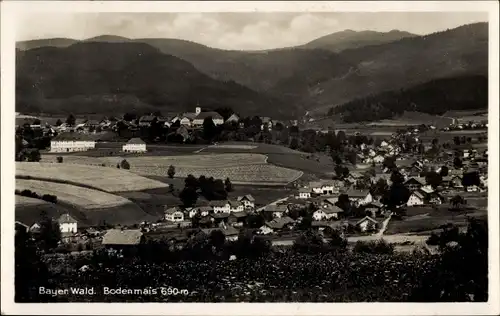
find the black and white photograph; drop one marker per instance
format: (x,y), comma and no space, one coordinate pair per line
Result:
(217,154)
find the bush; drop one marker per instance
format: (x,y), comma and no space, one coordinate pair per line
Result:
(374,247)
(49,198)
(59,159)
(118,165)
(124,164)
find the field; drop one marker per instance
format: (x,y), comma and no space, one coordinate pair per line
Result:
(100,178)
(426,219)
(82,197)
(89,206)
(29,210)
(240,168)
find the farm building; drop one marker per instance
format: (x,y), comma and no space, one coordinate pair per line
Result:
(202,210)
(187,119)
(174,214)
(327,212)
(247,200)
(367,224)
(147,120)
(230,233)
(135,145)
(70,142)
(121,238)
(67,224)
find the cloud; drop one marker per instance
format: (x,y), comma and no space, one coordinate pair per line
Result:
(241,31)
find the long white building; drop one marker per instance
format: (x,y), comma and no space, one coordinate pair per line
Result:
(70,142)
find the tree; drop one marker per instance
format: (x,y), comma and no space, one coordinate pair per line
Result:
(33,155)
(171,171)
(457,163)
(457,202)
(337,243)
(344,203)
(294,143)
(50,233)
(390,163)
(124,164)
(433,179)
(188,196)
(209,128)
(456,140)
(341,171)
(444,171)
(228,185)
(59,159)
(71,120)
(58,122)
(309,242)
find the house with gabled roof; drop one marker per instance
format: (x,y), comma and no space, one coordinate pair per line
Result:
(360,197)
(327,212)
(276,211)
(201,116)
(236,206)
(220,206)
(174,214)
(72,141)
(277,224)
(135,145)
(414,183)
(367,224)
(248,200)
(323,187)
(234,118)
(67,224)
(416,198)
(147,120)
(304,193)
(202,210)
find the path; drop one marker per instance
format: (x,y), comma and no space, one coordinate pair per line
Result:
(272,203)
(380,233)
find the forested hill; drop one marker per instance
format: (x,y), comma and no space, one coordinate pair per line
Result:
(433,97)
(97,77)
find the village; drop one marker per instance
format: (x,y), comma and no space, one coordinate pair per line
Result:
(361,203)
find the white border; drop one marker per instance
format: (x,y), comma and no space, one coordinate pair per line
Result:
(9,10)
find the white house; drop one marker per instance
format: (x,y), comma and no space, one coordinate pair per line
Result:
(174,214)
(416,198)
(233,119)
(220,206)
(360,197)
(135,145)
(247,200)
(203,210)
(70,142)
(236,206)
(327,212)
(378,159)
(67,224)
(367,224)
(201,116)
(304,193)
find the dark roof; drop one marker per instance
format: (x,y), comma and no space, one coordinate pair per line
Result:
(73,137)
(418,180)
(65,219)
(247,197)
(239,214)
(136,140)
(190,116)
(220,215)
(365,219)
(228,231)
(220,203)
(279,223)
(331,209)
(275,208)
(204,115)
(147,118)
(172,210)
(357,193)
(122,237)
(234,203)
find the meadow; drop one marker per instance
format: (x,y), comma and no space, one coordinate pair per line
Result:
(94,177)
(30,210)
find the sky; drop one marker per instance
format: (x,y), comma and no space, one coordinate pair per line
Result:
(235,31)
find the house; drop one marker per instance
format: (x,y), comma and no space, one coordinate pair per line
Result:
(323,187)
(472,188)
(70,142)
(329,201)
(266,121)
(434,198)
(67,224)
(121,238)
(135,145)
(367,224)
(202,210)
(416,198)
(21,226)
(237,219)
(277,224)
(446,181)
(456,182)
(236,206)
(327,212)
(201,116)
(233,119)
(275,211)
(378,159)
(304,193)
(147,120)
(247,200)
(360,197)
(414,183)
(230,233)
(220,206)
(384,144)
(174,214)
(188,118)
(220,217)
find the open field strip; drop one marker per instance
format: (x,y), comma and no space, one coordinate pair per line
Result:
(30,210)
(100,178)
(82,197)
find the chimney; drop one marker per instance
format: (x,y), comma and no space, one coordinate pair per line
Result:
(198,110)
